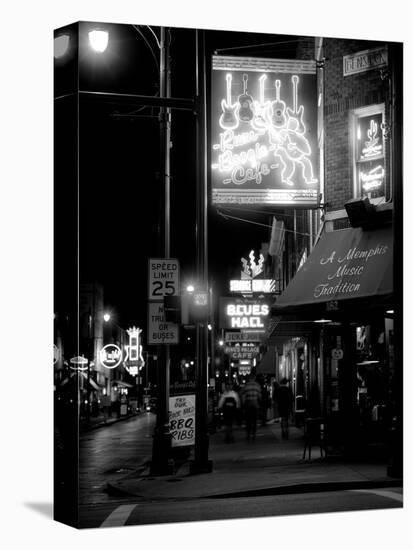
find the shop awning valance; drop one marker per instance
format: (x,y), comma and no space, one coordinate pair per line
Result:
(122,383)
(267,364)
(345,265)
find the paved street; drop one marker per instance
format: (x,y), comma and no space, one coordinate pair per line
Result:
(109,453)
(143,512)
(269,476)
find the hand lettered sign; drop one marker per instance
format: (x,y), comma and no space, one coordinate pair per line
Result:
(182,420)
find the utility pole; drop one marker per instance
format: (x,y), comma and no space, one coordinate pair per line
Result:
(201,463)
(161,461)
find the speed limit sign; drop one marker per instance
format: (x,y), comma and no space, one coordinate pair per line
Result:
(163,278)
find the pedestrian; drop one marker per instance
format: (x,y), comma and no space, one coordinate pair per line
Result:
(284,397)
(229,403)
(251,401)
(265,403)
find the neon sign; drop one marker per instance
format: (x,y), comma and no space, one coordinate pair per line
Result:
(242,313)
(110,356)
(373,146)
(134,358)
(266,286)
(373,179)
(261,145)
(252,269)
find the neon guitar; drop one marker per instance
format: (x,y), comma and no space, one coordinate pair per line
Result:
(277,112)
(229,118)
(245,113)
(294,113)
(261,107)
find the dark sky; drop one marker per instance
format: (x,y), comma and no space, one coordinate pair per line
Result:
(119,166)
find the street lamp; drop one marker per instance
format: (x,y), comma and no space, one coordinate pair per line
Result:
(106,317)
(61,45)
(98,40)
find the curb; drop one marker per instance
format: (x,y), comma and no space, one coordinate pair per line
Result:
(107,424)
(299,488)
(312,488)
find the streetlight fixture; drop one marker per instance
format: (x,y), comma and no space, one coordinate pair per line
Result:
(61,45)
(98,40)
(106,317)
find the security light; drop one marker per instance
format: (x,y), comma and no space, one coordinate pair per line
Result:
(98,40)
(61,45)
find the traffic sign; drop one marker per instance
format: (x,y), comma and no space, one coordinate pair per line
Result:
(163,278)
(160,332)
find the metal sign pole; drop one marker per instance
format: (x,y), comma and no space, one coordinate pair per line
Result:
(161,462)
(201,462)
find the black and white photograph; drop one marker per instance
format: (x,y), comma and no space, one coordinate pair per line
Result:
(224,284)
(228,304)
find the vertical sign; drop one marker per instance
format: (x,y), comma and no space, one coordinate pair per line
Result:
(264,132)
(163,279)
(182,420)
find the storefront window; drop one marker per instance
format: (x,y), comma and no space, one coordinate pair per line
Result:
(369,173)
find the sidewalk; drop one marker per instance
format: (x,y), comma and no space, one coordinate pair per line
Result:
(100,421)
(268,465)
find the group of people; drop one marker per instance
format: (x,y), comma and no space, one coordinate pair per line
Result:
(252,400)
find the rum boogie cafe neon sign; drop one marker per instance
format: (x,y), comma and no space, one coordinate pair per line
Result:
(264,130)
(243,313)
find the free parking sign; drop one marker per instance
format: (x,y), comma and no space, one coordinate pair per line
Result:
(163,278)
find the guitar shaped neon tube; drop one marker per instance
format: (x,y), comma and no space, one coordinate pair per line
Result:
(294,113)
(278,107)
(229,118)
(261,107)
(245,101)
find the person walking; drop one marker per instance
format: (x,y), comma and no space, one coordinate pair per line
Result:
(284,397)
(251,401)
(229,403)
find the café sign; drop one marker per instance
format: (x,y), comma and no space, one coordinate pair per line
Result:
(264,131)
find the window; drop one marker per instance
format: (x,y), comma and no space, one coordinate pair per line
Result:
(369,174)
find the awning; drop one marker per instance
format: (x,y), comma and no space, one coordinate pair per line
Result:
(92,382)
(283,330)
(267,363)
(122,383)
(345,265)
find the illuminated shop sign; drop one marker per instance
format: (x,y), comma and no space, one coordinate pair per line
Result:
(243,313)
(242,336)
(265,286)
(110,356)
(242,351)
(244,370)
(371,180)
(134,359)
(370,155)
(264,116)
(247,284)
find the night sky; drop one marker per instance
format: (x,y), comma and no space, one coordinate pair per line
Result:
(119,167)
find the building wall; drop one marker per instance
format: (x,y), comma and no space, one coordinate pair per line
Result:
(342,94)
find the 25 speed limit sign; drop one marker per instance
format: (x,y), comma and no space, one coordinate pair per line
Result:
(163,278)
